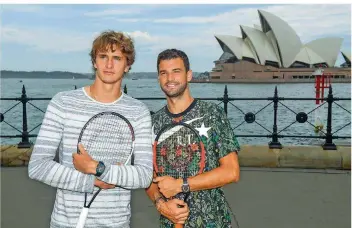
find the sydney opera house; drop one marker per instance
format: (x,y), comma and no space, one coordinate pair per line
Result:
(273,52)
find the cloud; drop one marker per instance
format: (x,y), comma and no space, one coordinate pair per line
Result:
(186,20)
(46,39)
(121,10)
(142,36)
(193,34)
(60,41)
(112,12)
(21,8)
(309,21)
(131,20)
(197,38)
(153,44)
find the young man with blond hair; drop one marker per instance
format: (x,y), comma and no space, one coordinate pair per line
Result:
(75,174)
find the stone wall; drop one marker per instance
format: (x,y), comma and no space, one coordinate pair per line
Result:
(313,157)
(13,156)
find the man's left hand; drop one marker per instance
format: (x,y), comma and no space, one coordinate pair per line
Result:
(83,162)
(168,186)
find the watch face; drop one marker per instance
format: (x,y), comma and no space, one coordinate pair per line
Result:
(100,169)
(185,188)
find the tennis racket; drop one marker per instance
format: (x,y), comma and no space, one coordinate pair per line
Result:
(178,152)
(107,137)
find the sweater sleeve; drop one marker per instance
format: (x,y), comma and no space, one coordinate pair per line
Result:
(42,166)
(138,175)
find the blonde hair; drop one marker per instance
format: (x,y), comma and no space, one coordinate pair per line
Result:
(106,40)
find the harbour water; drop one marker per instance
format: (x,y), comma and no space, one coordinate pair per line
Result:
(40,88)
(316,198)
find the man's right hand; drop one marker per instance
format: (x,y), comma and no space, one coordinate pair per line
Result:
(102,184)
(171,209)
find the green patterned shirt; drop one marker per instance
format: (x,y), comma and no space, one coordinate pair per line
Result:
(208,208)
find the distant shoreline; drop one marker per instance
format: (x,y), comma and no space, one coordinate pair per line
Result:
(43,74)
(66,75)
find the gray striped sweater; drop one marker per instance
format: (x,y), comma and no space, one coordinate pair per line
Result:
(66,114)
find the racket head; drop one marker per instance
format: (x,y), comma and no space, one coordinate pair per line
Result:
(108,137)
(178,151)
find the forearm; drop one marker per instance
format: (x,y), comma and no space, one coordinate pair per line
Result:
(128,176)
(158,200)
(153,192)
(227,172)
(215,178)
(44,169)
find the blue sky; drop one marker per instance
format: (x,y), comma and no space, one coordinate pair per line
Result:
(58,37)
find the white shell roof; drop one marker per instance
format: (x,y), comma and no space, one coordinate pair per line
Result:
(236,45)
(233,43)
(263,47)
(308,56)
(249,51)
(288,41)
(327,48)
(257,27)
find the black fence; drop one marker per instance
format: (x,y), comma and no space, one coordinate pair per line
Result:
(249,117)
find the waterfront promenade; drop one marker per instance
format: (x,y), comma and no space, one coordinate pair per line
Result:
(264,198)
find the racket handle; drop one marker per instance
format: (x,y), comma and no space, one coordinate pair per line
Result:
(82,217)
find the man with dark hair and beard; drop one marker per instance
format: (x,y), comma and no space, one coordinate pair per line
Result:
(207,208)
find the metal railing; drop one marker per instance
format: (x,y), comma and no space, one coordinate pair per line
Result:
(249,117)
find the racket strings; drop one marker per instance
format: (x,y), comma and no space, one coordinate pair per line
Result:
(178,152)
(108,138)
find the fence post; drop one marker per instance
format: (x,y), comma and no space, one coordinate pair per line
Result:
(25,140)
(125,89)
(329,145)
(275,144)
(226,99)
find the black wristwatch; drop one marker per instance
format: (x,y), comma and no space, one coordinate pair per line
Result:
(185,186)
(100,169)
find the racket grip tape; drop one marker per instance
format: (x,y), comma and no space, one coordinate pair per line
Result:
(82,218)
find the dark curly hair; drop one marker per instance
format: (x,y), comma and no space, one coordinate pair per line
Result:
(173,54)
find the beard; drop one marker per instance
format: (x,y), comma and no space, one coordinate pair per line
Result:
(175,93)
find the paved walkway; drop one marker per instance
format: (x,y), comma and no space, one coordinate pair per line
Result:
(264,198)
